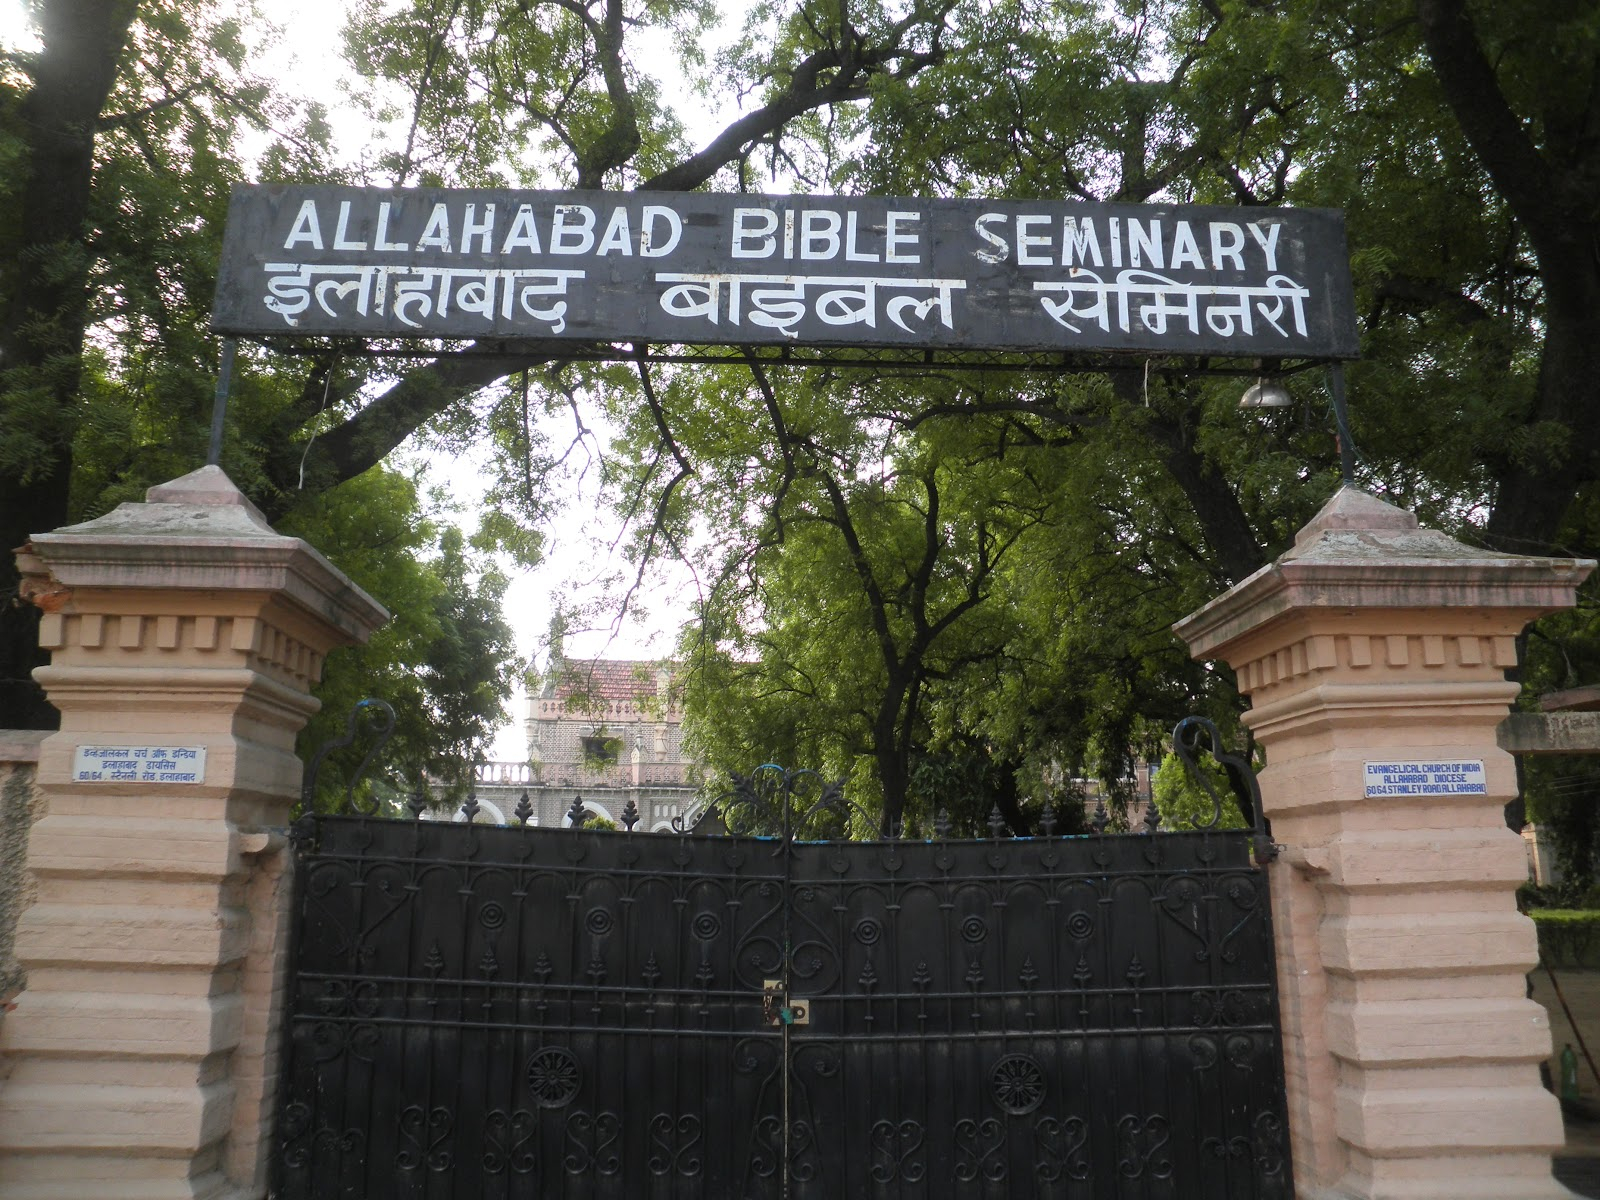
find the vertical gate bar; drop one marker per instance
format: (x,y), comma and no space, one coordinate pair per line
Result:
(521,1051)
(1112,1035)
(619,930)
(896,984)
(361,868)
(674,971)
(429,1060)
(1181,1149)
(416,1026)
(470,1002)
(1029,902)
(994,1013)
(786,974)
(278,1163)
(1159,1071)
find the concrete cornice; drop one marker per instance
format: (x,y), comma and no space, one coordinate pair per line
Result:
(200,533)
(1359,553)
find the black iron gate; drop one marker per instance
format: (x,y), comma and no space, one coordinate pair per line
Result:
(563,1013)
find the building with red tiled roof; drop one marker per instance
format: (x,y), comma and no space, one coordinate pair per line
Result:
(609,730)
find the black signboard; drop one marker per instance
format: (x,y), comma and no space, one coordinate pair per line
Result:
(693,268)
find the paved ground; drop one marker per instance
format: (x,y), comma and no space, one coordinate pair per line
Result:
(1579,1166)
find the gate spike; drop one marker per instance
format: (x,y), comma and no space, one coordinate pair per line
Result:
(1101,818)
(997,823)
(630,815)
(941,823)
(470,809)
(577,815)
(1028,976)
(1047,819)
(1152,817)
(524,809)
(418,804)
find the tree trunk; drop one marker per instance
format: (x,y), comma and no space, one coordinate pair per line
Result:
(22,702)
(44,302)
(891,750)
(1551,191)
(1534,493)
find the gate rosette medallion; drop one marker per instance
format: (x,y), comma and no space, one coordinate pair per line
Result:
(1018,1084)
(553,1075)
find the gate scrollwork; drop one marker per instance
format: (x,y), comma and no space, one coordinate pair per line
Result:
(592,1015)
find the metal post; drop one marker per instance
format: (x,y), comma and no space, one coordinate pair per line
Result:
(1341,421)
(219,406)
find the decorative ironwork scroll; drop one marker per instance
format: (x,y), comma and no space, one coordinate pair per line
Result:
(1195,733)
(378,716)
(481,1011)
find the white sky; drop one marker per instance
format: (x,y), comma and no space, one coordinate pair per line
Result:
(307,61)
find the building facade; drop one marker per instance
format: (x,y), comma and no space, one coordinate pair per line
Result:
(608,730)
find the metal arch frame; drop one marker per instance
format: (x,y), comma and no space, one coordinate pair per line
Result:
(1054,362)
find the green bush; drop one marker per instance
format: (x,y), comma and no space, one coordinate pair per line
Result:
(1568,937)
(1184,804)
(1566,895)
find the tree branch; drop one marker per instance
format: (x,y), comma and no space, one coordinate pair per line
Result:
(1473,92)
(621,138)
(118,120)
(382,425)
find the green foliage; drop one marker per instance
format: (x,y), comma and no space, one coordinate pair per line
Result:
(166,152)
(1185,803)
(950,589)
(1567,916)
(603,753)
(446,661)
(947,590)
(1561,793)
(504,91)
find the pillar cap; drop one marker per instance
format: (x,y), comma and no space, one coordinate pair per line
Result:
(198,533)
(1360,553)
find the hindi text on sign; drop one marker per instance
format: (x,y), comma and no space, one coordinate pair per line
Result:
(862,272)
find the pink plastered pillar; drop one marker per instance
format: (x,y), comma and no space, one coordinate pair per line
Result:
(185,636)
(1374,656)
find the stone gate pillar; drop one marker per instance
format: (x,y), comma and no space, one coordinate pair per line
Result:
(1411,1051)
(185,637)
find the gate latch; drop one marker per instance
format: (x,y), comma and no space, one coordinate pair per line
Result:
(776,1008)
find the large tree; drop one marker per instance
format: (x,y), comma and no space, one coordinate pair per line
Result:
(111,370)
(1432,127)
(863,587)
(1460,138)
(51,106)
(543,92)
